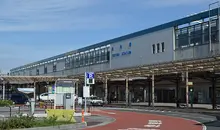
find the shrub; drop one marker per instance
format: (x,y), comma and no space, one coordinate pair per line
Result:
(29,122)
(17,122)
(5,103)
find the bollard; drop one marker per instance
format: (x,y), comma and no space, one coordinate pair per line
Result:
(83,116)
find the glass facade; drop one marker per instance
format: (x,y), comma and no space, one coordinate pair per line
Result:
(197,34)
(87,58)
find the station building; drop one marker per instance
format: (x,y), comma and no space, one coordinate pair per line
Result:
(189,38)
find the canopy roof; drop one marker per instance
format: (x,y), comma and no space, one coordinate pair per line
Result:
(28,79)
(194,65)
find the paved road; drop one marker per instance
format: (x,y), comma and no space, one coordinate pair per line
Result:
(126,120)
(210,119)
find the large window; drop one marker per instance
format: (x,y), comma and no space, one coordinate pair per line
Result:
(197,34)
(54,67)
(87,58)
(67,62)
(37,71)
(45,69)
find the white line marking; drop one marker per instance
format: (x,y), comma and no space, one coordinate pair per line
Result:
(111,113)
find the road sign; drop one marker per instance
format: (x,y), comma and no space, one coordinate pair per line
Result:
(90,77)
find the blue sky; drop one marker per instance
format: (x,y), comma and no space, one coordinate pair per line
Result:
(31,30)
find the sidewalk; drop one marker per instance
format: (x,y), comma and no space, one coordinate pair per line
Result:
(197,108)
(171,105)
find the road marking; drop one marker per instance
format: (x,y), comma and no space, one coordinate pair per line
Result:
(153,124)
(111,113)
(139,129)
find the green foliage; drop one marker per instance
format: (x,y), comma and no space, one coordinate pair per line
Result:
(5,103)
(29,122)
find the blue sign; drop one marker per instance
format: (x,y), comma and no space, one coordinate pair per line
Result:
(53,89)
(90,75)
(121,54)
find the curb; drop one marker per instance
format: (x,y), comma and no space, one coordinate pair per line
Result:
(60,127)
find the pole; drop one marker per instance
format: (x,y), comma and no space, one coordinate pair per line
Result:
(76,93)
(126,90)
(34,92)
(153,90)
(55,94)
(187,88)
(106,89)
(85,86)
(3,92)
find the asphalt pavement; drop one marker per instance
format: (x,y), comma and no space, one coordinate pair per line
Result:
(211,122)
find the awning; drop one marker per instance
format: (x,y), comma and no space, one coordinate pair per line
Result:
(29,79)
(210,64)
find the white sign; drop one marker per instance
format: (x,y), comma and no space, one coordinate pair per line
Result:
(86,91)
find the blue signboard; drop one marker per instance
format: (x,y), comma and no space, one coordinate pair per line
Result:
(121,54)
(90,75)
(53,89)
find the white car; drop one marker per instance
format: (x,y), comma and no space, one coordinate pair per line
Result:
(93,100)
(46,97)
(50,97)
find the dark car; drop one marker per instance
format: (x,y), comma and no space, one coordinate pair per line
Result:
(19,98)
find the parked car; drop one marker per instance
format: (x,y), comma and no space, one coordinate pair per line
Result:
(46,97)
(19,98)
(96,101)
(92,100)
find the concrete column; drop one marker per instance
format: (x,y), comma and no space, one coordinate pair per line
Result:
(77,88)
(153,100)
(213,92)
(35,91)
(177,94)
(106,89)
(3,91)
(149,93)
(126,91)
(187,88)
(145,94)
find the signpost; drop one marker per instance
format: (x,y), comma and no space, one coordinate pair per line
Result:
(89,79)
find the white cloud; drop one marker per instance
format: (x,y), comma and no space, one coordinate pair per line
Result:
(44,15)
